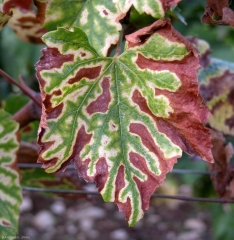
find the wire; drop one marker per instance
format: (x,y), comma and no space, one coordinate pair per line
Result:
(175,171)
(95,193)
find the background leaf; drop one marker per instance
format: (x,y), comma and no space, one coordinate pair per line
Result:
(217,87)
(10,190)
(99,20)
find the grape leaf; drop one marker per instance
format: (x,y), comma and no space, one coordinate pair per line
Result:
(26,25)
(98,19)
(217,88)
(125,120)
(10,190)
(23,20)
(6,9)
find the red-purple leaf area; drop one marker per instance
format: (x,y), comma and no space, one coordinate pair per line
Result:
(23,21)
(218,12)
(223,180)
(23,5)
(125,120)
(217,88)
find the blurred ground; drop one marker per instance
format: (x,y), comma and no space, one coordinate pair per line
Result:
(56,218)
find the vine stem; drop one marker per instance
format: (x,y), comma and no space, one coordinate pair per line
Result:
(119,45)
(29,113)
(23,87)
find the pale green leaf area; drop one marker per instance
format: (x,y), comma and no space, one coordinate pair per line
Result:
(101,29)
(4,18)
(10,190)
(98,19)
(153,8)
(111,137)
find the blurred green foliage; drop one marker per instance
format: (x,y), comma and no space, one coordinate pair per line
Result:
(17,58)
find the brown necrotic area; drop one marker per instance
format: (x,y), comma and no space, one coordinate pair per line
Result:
(187,97)
(89,73)
(102,102)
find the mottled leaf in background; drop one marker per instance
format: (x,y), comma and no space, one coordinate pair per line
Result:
(10,190)
(23,21)
(26,26)
(98,19)
(219,12)
(125,120)
(217,89)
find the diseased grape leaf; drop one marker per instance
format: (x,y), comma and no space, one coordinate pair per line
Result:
(217,89)
(10,190)
(125,120)
(98,19)
(23,20)
(218,12)
(27,27)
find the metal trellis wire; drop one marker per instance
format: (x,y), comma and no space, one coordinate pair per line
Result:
(95,193)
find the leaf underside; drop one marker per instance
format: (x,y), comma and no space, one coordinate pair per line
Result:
(10,190)
(216,87)
(98,19)
(125,120)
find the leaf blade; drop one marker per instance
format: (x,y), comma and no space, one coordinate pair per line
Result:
(115,118)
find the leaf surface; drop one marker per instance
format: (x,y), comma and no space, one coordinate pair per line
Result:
(10,190)
(125,120)
(98,19)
